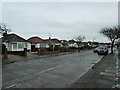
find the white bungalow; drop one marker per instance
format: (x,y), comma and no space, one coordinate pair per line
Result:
(16,43)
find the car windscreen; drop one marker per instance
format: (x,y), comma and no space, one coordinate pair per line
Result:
(101,48)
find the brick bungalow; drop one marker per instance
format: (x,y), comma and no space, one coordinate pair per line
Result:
(36,43)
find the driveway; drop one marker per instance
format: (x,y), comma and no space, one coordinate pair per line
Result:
(49,72)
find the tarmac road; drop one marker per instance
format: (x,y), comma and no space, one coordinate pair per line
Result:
(50,72)
(103,75)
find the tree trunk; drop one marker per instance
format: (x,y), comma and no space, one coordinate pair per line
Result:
(112,45)
(78,48)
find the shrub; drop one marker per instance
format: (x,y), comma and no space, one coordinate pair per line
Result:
(50,48)
(57,48)
(4,51)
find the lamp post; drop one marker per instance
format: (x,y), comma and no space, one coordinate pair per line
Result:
(94,39)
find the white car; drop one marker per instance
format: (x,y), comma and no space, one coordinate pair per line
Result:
(101,50)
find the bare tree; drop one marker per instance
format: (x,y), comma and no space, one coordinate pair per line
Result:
(4,30)
(112,33)
(78,40)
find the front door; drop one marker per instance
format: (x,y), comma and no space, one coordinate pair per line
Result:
(32,48)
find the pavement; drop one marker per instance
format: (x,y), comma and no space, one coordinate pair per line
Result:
(30,56)
(94,79)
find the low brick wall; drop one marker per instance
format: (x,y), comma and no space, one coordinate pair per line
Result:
(72,50)
(20,53)
(4,57)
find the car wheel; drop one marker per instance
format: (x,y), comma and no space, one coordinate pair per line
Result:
(98,53)
(106,53)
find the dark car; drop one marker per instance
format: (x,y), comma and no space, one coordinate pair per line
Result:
(95,50)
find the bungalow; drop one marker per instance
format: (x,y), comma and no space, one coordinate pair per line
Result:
(69,45)
(65,44)
(16,43)
(36,43)
(49,42)
(93,44)
(72,44)
(57,42)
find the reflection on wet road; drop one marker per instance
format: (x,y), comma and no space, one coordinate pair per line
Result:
(51,72)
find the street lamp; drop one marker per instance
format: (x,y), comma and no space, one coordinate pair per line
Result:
(94,39)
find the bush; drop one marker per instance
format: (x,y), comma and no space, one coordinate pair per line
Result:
(73,48)
(81,48)
(61,49)
(4,51)
(50,48)
(57,48)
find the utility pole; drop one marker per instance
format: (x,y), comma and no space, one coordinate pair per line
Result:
(49,35)
(94,39)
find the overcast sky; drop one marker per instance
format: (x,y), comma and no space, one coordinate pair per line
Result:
(64,20)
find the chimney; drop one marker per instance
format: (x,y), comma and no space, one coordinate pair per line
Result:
(49,38)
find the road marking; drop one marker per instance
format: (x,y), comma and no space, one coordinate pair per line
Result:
(10,86)
(19,81)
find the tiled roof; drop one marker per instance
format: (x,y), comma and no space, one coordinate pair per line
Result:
(35,40)
(14,38)
(56,40)
(64,41)
(48,41)
(71,42)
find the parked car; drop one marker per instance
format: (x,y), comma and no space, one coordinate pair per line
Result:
(101,50)
(95,50)
(119,53)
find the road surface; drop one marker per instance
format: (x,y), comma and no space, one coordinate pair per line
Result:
(50,72)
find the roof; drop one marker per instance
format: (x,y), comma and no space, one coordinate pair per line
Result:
(56,40)
(64,41)
(14,38)
(48,41)
(35,40)
(71,42)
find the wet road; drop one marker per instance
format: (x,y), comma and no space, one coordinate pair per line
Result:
(51,72)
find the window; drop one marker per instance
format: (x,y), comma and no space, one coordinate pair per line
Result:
(20,45)
(14,45)
(26,45)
